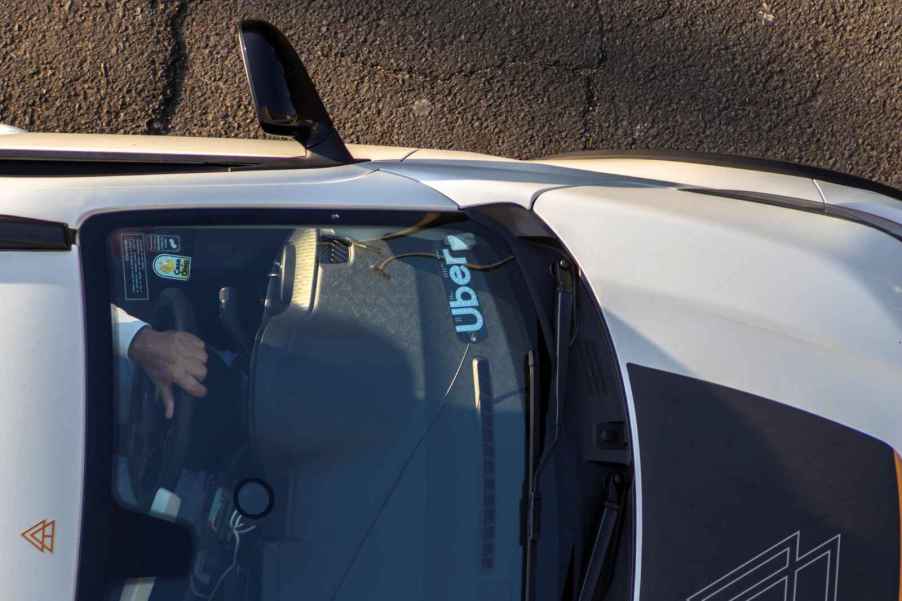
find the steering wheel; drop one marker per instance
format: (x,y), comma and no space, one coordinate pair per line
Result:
(156,446)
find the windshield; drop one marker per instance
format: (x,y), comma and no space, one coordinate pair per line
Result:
(333,411)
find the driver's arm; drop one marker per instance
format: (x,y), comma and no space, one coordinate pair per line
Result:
(167,357)
(125,327)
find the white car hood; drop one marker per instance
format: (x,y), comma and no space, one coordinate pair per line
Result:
(41,423)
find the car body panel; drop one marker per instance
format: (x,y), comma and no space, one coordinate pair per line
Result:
(475,182)
(6,130)
(72,200)
(867,201)
(467,178)
(433,154)
(687,173)
(799,308)
(42,384)
(789,306)
(730,479)
(709,287)
(185,146)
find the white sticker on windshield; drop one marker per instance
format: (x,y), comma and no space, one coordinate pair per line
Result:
(134,267)
(171,243)
(462,298)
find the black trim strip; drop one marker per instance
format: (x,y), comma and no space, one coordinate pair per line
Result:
(52,168)
(106,156)
(311,162)
(737,162)
(63,163)
(788,202)
(884,225)
(19,233)
(777,200)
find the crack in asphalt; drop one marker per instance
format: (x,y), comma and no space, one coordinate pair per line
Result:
(585,70)
(587,112)
(665,8)
(174,72)
(451,75)
(601,54)
(600,57)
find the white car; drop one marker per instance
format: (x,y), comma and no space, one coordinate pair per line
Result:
(414,374)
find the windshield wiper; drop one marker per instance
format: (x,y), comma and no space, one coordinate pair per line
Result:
(603,550)
(528,508)
(563,318)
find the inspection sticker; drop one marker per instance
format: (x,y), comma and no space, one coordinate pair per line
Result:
(172,267)
(134,267)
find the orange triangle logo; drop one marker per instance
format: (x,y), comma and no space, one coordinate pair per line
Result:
(41,535)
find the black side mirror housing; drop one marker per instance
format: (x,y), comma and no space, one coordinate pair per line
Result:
(285,98)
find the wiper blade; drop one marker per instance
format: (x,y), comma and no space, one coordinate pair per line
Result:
(529,504)
(603,550)
(563,318)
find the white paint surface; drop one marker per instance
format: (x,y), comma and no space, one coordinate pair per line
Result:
(42,400)
(72,200)
(795,307)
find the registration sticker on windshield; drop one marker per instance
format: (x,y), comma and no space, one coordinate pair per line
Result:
(172,267)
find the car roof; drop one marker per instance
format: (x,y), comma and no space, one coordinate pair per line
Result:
(165,149)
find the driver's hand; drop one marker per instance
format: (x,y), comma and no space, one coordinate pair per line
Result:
(171,358)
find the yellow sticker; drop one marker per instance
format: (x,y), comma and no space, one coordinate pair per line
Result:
(172,267)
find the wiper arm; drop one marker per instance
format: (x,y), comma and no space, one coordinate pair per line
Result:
(529,506)
(563,318)
(602,550)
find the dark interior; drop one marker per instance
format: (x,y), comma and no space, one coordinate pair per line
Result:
(346,390)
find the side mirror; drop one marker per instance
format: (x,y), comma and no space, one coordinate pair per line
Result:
(285,98)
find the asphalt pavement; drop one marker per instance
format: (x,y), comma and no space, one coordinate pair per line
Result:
(811,81)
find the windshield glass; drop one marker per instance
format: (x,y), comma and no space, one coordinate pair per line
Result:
(335,412)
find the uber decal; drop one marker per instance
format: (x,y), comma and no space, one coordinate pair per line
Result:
(462,298)
(172,267)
